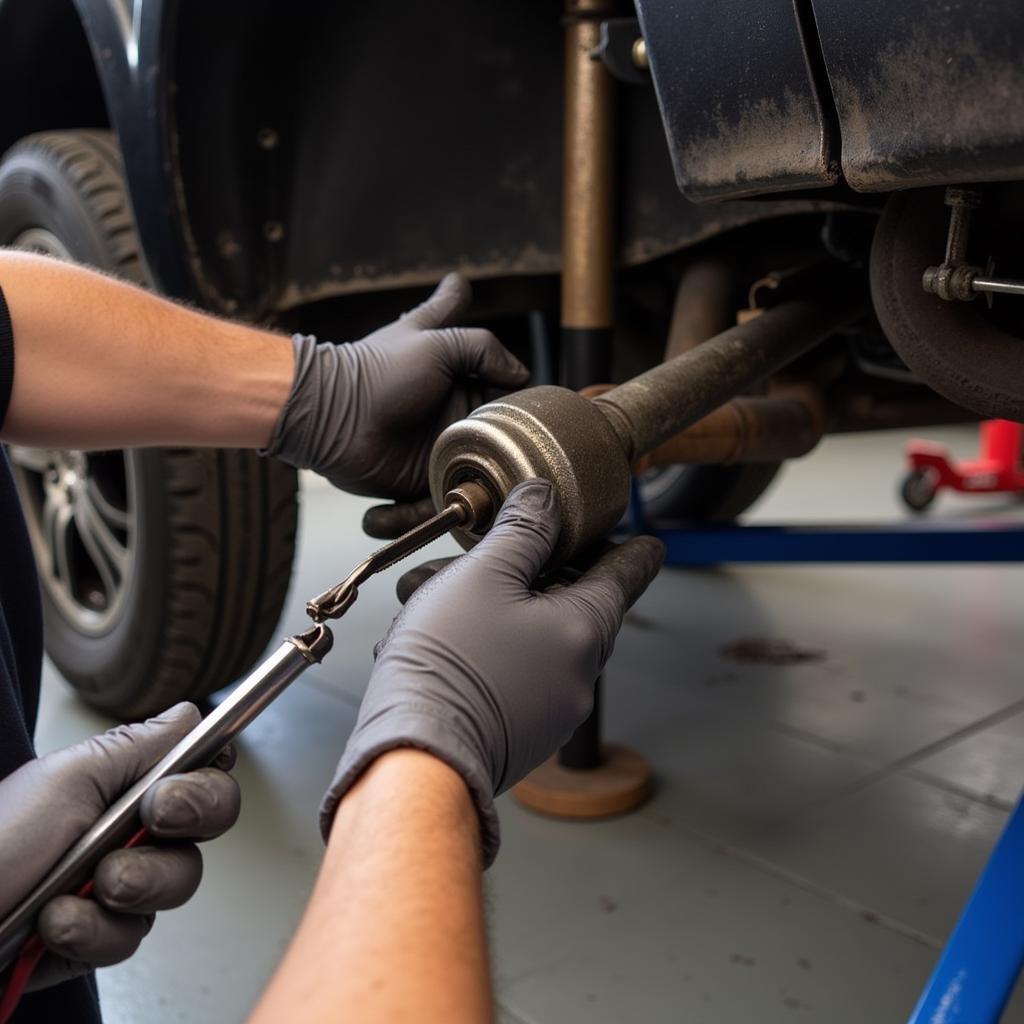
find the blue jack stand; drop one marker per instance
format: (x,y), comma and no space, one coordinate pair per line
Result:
(976,541)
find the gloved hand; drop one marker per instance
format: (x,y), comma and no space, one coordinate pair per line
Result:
(49,803)
(488,674)
(365,415)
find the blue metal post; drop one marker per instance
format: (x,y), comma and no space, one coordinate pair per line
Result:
(979,966)
(975,541)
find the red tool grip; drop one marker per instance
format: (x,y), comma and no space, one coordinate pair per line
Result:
(33,950)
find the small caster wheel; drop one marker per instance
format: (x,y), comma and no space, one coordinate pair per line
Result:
(918,490)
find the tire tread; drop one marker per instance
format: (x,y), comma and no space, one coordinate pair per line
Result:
(231,516)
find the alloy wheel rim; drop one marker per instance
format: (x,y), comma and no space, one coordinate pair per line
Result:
(80,511)
(79,507)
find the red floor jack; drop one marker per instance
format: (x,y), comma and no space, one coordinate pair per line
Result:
(997,470)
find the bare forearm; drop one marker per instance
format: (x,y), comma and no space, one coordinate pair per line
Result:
(102,364)
(394,930)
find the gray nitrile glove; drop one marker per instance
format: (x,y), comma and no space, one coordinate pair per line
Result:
(365,415)
(46,804)
(488,674)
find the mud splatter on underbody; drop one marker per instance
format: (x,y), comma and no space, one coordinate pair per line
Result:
(928,102)
(771,146)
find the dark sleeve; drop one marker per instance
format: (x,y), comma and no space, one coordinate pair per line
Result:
(6,357)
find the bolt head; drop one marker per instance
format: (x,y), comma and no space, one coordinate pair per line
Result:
(639,54)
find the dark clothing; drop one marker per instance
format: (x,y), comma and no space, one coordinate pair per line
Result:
(21,657)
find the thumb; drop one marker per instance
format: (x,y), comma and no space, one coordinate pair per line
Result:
(524,534)
(111,762)
(474,350)
(449,299)
(614,583)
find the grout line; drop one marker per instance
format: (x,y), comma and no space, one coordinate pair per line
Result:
(821,742)
(960,734)
(988,799)
(882,770)
(908,760)
(828,895)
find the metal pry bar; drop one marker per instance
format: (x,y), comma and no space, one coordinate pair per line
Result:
(468,505)
(195,750)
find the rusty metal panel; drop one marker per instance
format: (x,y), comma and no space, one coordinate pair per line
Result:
(377,163)
(927,93)
(738,96)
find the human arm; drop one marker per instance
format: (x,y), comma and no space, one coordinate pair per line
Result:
(394,929)
(49,802)
(104,364)
(488,675)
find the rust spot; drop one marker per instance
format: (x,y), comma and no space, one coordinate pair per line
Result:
(228,245)
(607,904)
(742,960)
(770,651)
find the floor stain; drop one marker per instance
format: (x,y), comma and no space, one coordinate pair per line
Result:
(760,650)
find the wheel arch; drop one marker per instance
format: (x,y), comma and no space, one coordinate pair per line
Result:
(41,95)
(69,64)
(206,535)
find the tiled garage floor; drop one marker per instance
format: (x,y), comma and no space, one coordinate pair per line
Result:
(816,826)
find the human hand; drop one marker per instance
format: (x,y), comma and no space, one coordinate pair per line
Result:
(365,415)
(487,673)
(48,803)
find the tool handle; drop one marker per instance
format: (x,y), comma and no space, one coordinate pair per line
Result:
(117,824)
(32,951)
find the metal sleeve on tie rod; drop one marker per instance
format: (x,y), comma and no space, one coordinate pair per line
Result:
(585,447)
(651,408)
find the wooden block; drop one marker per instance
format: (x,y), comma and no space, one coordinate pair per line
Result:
(621,783)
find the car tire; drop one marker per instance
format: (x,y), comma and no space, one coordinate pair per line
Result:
(167,576)
(704,494)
